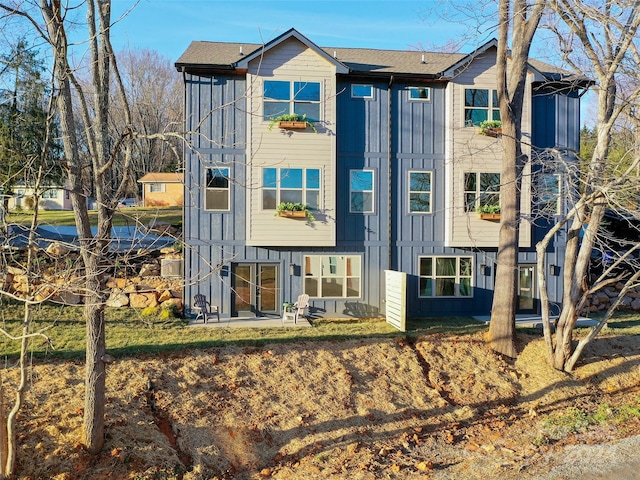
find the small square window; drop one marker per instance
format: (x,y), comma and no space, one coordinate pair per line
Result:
(419,93)
(362,91)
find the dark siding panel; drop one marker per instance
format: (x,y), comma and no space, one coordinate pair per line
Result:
(544,121)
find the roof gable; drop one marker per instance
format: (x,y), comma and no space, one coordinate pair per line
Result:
(155,177)
(291,33)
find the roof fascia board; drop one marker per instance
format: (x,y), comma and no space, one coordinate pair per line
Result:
(292,33)
(450,72)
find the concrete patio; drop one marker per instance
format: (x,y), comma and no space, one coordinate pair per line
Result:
(249,322)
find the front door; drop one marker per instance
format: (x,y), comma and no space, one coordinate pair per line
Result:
(526,289)
(255,289)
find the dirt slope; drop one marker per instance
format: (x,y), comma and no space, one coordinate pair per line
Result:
(439,407)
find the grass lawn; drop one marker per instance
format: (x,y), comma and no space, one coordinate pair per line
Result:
(122,216)
(129,333)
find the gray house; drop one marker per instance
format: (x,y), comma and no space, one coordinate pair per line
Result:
(388,159)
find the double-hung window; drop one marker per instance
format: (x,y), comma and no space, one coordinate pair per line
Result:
(332,276)
(295,185)
(479,105)
(480,190)
(549,194)
(420,192)
(361,191)
(445,276)
(216,196)
(282,97)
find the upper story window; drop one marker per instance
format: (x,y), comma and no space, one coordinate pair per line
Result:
(549,194)
(216,196)
(445,276)
(295,185)
(419,192)
(481,189)
(419,93)
(156,187)
(362,91)
(480,105)
(283,97)
(361,191)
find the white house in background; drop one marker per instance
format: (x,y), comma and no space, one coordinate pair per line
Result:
(55,197)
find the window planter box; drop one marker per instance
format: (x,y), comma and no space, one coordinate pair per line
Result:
(292,125)
(292,213)
(489,216)
(491,132)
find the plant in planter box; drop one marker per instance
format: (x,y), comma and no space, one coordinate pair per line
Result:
(491,212)
(491,128)
(292,120)
(294,210)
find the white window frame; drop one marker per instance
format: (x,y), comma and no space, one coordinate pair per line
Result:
(292,100)
(410,192)
(558,194)
(419,99)
(372,192)
(355,85)
(49,194)
(225,174)
(478,192)
(433,276)
(333,267)
(305,189)
(161,185)
(490,108)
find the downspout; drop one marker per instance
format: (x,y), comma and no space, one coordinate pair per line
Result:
(390,171)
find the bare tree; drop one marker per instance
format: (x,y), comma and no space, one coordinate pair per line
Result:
(522,19)
(104,152)
(603,37)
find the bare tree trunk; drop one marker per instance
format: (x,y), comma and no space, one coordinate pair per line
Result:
(511,87)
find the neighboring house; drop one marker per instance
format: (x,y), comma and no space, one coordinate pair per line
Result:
(54,197)
(162,189)
(394,170)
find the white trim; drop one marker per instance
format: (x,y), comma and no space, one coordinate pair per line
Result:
(457,276)
(373,190)
(366,97)
(419,99)
(409,192)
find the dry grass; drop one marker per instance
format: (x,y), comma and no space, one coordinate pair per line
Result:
(435,406)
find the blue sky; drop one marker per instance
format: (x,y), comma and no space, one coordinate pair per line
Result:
(168,26)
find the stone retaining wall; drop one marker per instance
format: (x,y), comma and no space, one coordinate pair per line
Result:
(602,299)
(136,281)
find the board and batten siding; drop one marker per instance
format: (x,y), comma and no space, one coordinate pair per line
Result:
(471,152)
(216,106)
(291,61)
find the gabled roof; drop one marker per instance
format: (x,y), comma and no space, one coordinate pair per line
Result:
(158,177)
(203,56)
(291,33)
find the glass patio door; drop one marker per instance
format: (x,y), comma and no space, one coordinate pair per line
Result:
(255,289)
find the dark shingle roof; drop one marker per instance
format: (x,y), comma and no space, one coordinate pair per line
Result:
(225,55)
(203,55)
